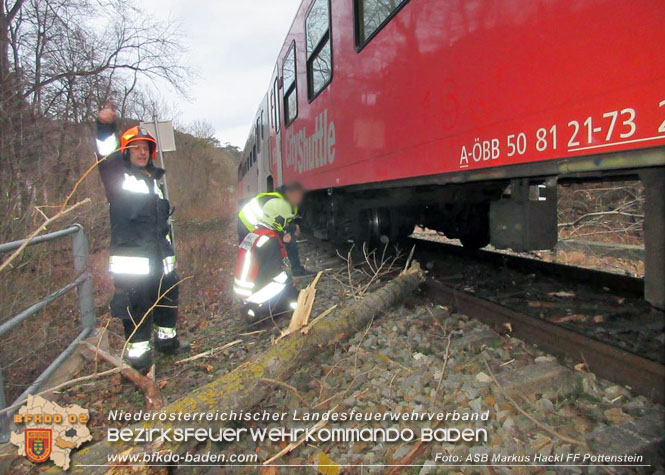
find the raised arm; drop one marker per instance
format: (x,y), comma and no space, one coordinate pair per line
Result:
(107,140)
(109,157)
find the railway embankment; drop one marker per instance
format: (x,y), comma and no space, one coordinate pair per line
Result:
(417,383)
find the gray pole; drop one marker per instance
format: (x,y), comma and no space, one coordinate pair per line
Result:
(85,291)
(4,418)
(161,164)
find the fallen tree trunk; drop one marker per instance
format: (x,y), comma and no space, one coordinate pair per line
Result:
(245,387)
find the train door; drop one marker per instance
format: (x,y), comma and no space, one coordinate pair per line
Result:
(276,148)
(266,164)
(263,155)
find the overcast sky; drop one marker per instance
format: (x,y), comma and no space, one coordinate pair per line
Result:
(233,47)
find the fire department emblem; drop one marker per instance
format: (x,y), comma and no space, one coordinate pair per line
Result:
(51,431)
(38,444)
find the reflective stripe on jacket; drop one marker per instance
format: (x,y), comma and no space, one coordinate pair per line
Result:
(259,273)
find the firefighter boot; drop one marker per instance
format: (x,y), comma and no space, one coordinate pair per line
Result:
(251,314)
(301,272)
(167,342)
(139,356)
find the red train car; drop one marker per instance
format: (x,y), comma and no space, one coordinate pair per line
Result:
(464,116)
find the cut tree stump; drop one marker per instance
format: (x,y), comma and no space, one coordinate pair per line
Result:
(300,317)
(306,298)
(244,388)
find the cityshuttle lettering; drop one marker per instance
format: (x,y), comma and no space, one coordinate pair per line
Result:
(305,153)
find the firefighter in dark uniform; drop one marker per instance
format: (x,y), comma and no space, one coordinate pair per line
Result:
(250,215)
(262,274)
(142,260)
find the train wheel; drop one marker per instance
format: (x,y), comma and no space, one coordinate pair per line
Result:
(374,226)
(381,226)
(473,242)
(477,233)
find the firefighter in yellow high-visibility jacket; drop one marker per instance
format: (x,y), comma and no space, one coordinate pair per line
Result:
(251,213)
(263,274)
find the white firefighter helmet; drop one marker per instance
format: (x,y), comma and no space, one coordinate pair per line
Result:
(276,213)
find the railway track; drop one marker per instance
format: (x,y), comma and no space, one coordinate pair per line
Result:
(623,284)
(568,341)
(645,377)
(535,362)
(603,306)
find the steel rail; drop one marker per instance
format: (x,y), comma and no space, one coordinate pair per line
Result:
(618,282)
(645,377)
(642,375)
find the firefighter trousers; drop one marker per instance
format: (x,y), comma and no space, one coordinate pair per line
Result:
(135,295)
(278,306)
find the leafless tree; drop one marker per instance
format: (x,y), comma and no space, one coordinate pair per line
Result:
(203,130)
(59,61)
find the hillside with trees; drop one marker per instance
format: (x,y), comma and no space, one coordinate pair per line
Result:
(60,61)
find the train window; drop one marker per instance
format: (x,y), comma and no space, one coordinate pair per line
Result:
(263,131)
(319,51)
(258,134)
(290,86)
(272,109)
(371,16)
(277,111)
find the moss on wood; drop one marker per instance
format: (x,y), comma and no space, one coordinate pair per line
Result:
(242,388)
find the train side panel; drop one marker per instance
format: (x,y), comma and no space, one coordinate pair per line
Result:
(464,116)
(254,170)
(450,86)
